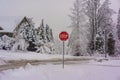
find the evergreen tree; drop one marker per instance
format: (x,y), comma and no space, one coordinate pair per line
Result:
(26,31)
(49,34)
(91,12)
(78,41)
(31,38)
(111,45)
(99,43)
(118,25)
(30,35)
(44,35)
(100,23)
(105,24)
(41,33)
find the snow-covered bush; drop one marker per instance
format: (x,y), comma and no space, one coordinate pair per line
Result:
(46,48)
(6,43)
(21,44)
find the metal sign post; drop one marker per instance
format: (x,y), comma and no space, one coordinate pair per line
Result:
(63,37)
(63,52)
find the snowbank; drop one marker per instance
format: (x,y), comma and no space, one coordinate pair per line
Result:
(55,72)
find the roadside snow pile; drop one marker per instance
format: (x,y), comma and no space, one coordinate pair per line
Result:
(55,72)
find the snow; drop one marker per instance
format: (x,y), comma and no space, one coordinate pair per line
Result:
(56,72)
(106,62)
(2,62)
(10,55)
(5,31)
(105,69)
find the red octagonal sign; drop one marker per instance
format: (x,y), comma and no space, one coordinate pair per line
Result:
(63,36)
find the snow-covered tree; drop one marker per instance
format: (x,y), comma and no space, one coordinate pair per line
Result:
(41,33)
(91,12)
(45,39)
(105,23)
(49,34)
(117,44)
(118,25)
(111,45)
(78,41)
(25,33)
(6,43)
(100,23)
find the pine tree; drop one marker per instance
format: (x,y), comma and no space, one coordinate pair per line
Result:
(44,37)
(49,34)
(104,21)
(30,35)
(92,11)
(26,33)
(100,22)
(118,25)
(99,43)
(79,36)
(111,45)
(41,33)
(31,38)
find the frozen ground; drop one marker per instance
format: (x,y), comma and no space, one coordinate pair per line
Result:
(96,69)
(70,72)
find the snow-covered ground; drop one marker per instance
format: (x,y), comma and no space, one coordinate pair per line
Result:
(96,69)
(9,55)
(2,62)
(56,72)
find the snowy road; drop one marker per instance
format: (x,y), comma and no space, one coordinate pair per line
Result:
(23,63)
(16,64)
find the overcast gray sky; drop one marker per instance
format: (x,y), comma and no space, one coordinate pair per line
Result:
(54,12)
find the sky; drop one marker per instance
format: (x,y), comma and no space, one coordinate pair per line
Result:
(54,12)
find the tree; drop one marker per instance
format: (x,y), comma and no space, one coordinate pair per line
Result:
(111,45)
(26,34)
(91,12)
(45,39)
(78,41)
(100,23)
(6,43)
(118,34)
(31,37)
(49,34)
(105,23)
(118,25)
(41,33)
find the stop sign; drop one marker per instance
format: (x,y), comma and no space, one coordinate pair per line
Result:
(63,36)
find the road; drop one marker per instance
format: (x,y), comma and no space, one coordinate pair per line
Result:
(14,64)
